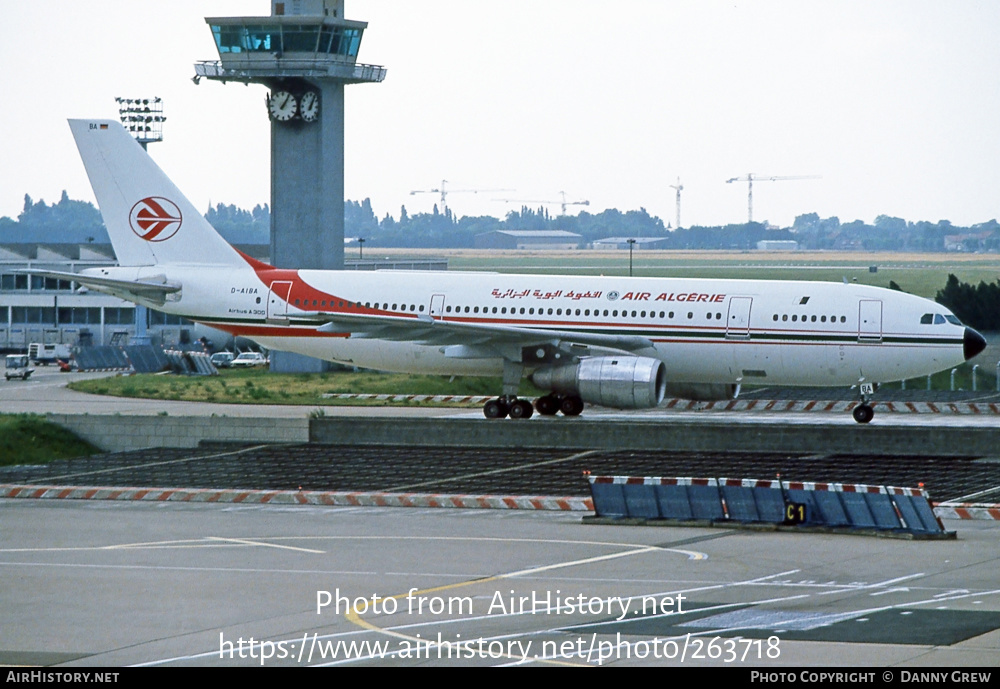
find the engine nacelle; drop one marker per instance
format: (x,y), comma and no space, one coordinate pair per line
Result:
(623,382)
(704,392)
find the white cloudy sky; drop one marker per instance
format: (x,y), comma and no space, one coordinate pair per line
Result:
(894,104)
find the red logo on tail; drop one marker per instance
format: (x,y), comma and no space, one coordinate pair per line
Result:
(155,219)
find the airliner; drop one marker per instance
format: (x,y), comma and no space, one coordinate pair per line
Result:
(619,342)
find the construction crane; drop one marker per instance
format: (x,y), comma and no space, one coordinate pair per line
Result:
(562,204)
(751,178)
(679,187)
(444,191)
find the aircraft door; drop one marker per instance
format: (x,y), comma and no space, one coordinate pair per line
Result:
(437,306)
(277,299)
(738,321)
(870,320)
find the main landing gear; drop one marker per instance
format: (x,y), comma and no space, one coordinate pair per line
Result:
(863,413)
(549,405)
(508,404)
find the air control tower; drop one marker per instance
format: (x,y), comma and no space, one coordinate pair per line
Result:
(305,53)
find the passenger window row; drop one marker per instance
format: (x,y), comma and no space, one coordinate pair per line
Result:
(811,319)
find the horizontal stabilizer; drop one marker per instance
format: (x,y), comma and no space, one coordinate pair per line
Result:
(145,289)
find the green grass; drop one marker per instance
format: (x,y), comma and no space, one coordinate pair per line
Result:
(30,439)
(258,386)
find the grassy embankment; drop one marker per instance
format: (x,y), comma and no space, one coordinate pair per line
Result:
(249,386)
(30,439)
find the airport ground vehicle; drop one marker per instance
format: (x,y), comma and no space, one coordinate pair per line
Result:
(248,360)
(17,366)
(46,354)
(613,341)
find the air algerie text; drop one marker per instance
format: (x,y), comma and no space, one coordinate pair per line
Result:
(691,296)
(672,296)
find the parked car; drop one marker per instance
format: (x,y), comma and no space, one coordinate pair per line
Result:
(222,359)
(17,367)
(248,359)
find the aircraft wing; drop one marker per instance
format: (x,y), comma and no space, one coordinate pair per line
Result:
(126,289)
(495,340)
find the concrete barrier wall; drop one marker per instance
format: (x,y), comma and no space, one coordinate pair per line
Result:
(117,433)
(628,434)
(120,433)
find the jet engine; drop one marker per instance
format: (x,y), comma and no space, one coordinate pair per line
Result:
(624,382)
(704,392)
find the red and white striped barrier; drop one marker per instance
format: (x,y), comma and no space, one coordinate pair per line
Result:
(298,497)
(970,408)
(948,510)
(439,399)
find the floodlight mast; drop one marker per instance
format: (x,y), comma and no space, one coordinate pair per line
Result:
(142,118)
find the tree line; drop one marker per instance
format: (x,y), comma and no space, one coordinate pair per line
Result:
(72,221)
(978,306)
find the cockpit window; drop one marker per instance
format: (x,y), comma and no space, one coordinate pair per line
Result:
(938,319)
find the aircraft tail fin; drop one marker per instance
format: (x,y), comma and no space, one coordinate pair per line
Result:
(149,220)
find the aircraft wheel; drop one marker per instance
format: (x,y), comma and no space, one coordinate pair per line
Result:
(547,406)
(521,409)
(863,413)
(494,409)
(571,406)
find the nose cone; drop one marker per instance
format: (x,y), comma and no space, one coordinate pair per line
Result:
(973,343)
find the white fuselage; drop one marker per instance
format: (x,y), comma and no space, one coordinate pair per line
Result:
(705,331)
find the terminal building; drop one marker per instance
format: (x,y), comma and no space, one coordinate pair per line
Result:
(528,239)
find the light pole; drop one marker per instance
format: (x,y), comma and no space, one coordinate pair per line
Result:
(143,119)
(361,248)
(631,243)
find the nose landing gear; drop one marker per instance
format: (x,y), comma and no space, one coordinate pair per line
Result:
(863,413)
